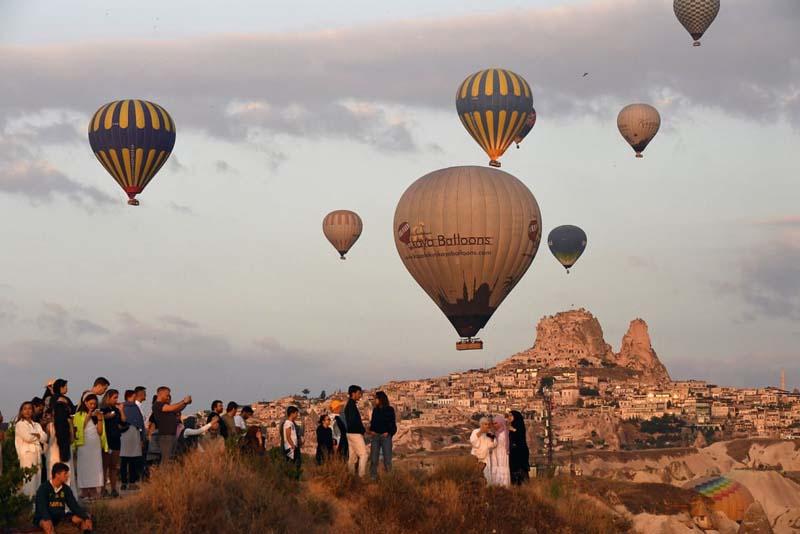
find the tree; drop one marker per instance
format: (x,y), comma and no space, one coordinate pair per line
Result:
(305,392)
(13,504)
(322,395)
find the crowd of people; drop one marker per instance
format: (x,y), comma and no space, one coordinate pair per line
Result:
(501,447)
(106,444)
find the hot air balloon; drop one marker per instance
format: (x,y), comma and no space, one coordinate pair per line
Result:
(132,139)
(696,16)
(567,243)
(729,496)
(342,228)
(638,124)
(526,128)
(467,235)
(493,105)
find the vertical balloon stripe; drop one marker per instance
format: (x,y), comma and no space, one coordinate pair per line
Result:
(126,158)
(148,164)
(526,87)
(514,83)
(110,115)
(96,124)
(476,117)
(107,164)
(123,113)
(137,175)
(155,122)
(490,130)
(117,166)
(502,77)
(476,85)
(166,118)
(490,82)
(501,125)
(139,112)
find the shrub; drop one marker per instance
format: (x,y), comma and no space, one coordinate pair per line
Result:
(14,506)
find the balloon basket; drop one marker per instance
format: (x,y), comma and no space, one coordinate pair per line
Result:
(469,344)
(342,258)
(696,43)
(639,155)
(494,163)
(133,202)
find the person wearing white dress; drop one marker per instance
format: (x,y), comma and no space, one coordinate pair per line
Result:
(483,442)
(90,443)
(29,439)
(500,471)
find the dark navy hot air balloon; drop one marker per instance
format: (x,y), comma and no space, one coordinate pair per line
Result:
(567,243)
(132,139)
(526,128)
(493,105)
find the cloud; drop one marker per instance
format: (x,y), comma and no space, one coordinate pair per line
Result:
(635,50)
(223,167)
(786,221)
(178,322)
(185,210)
(87,327)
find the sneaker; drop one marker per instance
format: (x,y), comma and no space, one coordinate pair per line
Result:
(114,494)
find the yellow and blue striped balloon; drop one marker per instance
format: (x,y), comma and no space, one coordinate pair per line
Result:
(493,105)
(132,139)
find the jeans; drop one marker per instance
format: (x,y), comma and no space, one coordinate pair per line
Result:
(358,453)
(166,444)
(380,443)
(131,469)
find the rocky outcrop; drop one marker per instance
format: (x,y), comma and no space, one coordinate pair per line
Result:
(637,353)
(755,521)
(574,339)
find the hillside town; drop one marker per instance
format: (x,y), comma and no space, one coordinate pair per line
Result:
(598,398)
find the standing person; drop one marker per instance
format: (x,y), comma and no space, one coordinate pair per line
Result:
(47,396)
(115,423)
(518,454)
(501,474)
(62,431)
(356,446)
(38,412)
(483,442)
(339,429)
(53,497)
(166,420)
(241,420)
(228,419)
(29,439)
(382,428)
(324,439)
(131,443)
(99,388)
(43,418)
(289,439)
(90,444)
(218,411)
(252,443)
(140,400)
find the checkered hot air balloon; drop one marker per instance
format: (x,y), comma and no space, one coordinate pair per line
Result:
(132,139)
(696,16)
(493,106)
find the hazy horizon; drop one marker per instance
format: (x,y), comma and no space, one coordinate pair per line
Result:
(221,283)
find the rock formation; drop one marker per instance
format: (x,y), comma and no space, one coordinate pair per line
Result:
(755,521)
(574,338)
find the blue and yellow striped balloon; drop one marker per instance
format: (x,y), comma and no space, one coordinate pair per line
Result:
(132,139)
(493,105)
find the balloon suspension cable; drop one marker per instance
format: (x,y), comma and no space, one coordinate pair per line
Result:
(494,163)
(639,155)
(696,43)
(133,202)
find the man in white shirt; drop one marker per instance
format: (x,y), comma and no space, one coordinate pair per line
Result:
(240,419)
(483,441)
(291,445)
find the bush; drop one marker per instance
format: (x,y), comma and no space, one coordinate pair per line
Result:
(14,507)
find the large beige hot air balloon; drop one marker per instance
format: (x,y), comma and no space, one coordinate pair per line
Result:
(638,124)
(467,235)
(342,228)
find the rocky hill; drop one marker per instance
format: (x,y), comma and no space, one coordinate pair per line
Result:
(574,339)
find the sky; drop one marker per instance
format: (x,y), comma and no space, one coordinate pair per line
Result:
(221,284)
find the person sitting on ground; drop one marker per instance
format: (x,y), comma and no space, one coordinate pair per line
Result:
(324,439)
(339,429)
(51,502)
(483,441)
(252,443)
(228,419)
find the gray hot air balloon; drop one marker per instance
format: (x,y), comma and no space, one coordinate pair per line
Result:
(567,243)
(467,235)
(342,228)
(638,124)
(696,16)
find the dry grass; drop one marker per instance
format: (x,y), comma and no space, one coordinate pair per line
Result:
(651,498)
(229,494)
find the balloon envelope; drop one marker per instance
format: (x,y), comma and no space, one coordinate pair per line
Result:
(493,105)
(342,228)
(567,243)
(696,16)
(132,139)
(526,128)
(638,124)
(467,235)
(729,496)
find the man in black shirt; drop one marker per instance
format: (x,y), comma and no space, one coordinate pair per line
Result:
(51,501)
(357,448)
(166,420)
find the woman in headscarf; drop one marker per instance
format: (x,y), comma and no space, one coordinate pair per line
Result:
(324,439)
(500,474)
(518,453)
(61,431)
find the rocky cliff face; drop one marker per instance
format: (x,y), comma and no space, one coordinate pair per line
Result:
(574,338)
